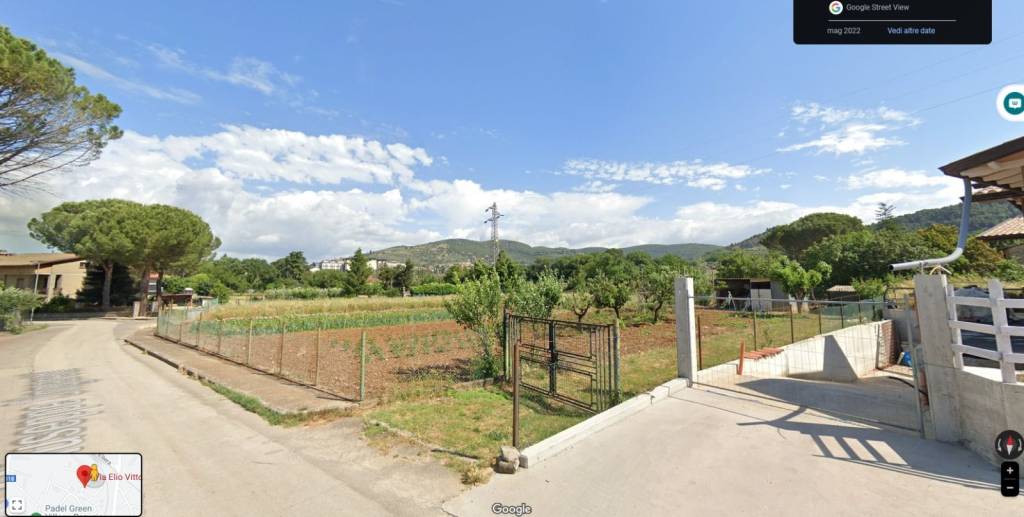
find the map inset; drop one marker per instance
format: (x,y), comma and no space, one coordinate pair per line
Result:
(73,484)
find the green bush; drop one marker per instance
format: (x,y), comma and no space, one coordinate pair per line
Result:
(58,304)
(12,303)
(434,289)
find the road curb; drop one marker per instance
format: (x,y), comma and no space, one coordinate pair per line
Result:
(566,439)
(201,376)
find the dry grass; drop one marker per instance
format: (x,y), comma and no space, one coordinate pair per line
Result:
(326,305)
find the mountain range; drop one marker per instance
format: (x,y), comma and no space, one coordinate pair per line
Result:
(455,251)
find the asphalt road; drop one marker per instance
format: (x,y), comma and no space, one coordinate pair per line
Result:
(202,454)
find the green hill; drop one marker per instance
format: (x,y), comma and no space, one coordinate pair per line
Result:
(983,216)
(454,251)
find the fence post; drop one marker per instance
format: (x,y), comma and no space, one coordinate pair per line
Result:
(915,365)
(220,333)
(316,353)
(700,348)
(362,366)
(842,315)
(505,352)
(616,375)
(753,314)
(280,349)
(181,325)
(995,296)
(792,329)
(937,358)
(552,360)
(248,344)
(199,333)
(515,396)
(820,329)
(686,329)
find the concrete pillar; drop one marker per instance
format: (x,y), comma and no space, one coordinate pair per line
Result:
(937,358)
(686,329)
(51,285)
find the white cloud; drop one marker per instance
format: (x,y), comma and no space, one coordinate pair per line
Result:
(899,179)
(697,174)
(248,72)
(846,131)
(96,72)
(266,192)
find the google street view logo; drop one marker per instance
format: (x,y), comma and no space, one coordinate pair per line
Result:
(1010,103)
(836,8)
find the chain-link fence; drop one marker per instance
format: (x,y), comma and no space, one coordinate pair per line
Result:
(726,324)
(328,353)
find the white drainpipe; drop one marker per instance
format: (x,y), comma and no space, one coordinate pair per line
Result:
(965,219)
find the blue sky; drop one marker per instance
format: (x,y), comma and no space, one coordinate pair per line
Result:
(345,124)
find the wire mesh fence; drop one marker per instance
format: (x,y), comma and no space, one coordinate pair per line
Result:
(328,353)
(735,339)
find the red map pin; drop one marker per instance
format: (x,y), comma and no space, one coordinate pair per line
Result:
(84,474)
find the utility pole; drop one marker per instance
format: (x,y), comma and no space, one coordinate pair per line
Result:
(493,220)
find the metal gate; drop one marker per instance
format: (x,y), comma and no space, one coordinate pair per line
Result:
(573,363)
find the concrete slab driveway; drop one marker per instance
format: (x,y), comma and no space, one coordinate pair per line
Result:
(712,452)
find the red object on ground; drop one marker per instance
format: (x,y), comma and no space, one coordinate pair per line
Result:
(84,474)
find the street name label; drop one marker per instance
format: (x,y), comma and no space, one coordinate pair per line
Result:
(108,484)
(922,22)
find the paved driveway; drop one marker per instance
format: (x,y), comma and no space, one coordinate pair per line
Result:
(712,452)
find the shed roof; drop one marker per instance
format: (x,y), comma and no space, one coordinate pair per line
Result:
(999,166)
(1012,228)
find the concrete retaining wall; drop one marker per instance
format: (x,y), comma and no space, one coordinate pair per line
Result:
(987,407)
(843,356)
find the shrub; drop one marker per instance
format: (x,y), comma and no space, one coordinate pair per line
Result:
(434,289)
(12,303)
(58,304)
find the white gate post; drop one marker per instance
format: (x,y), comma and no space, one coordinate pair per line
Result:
(999,322)
(686,329)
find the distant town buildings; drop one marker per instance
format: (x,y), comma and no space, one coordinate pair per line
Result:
(344,264)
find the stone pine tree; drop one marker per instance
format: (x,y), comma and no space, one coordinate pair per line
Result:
(173,239)
(47,121)
(105,232)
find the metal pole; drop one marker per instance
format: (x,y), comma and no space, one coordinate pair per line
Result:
(792,330)
(505,352)
(700,348)
(199,332)
(280,349)
(842,315)
(316,354)
(753,313)
(552,360)
(35,292)
(618,357)
(913,365)
(820,308)
(860,313)
(220,333)
(362,366)
(515,396)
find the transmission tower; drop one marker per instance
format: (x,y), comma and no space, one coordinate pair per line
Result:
(493,220)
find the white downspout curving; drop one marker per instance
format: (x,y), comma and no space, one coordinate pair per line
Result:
(965,219)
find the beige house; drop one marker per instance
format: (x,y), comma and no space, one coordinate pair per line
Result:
(49,274)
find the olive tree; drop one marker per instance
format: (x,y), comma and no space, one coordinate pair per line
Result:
(479,307)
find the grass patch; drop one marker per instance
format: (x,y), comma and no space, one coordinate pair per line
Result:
(644,371)
(476,422)
(253,405)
